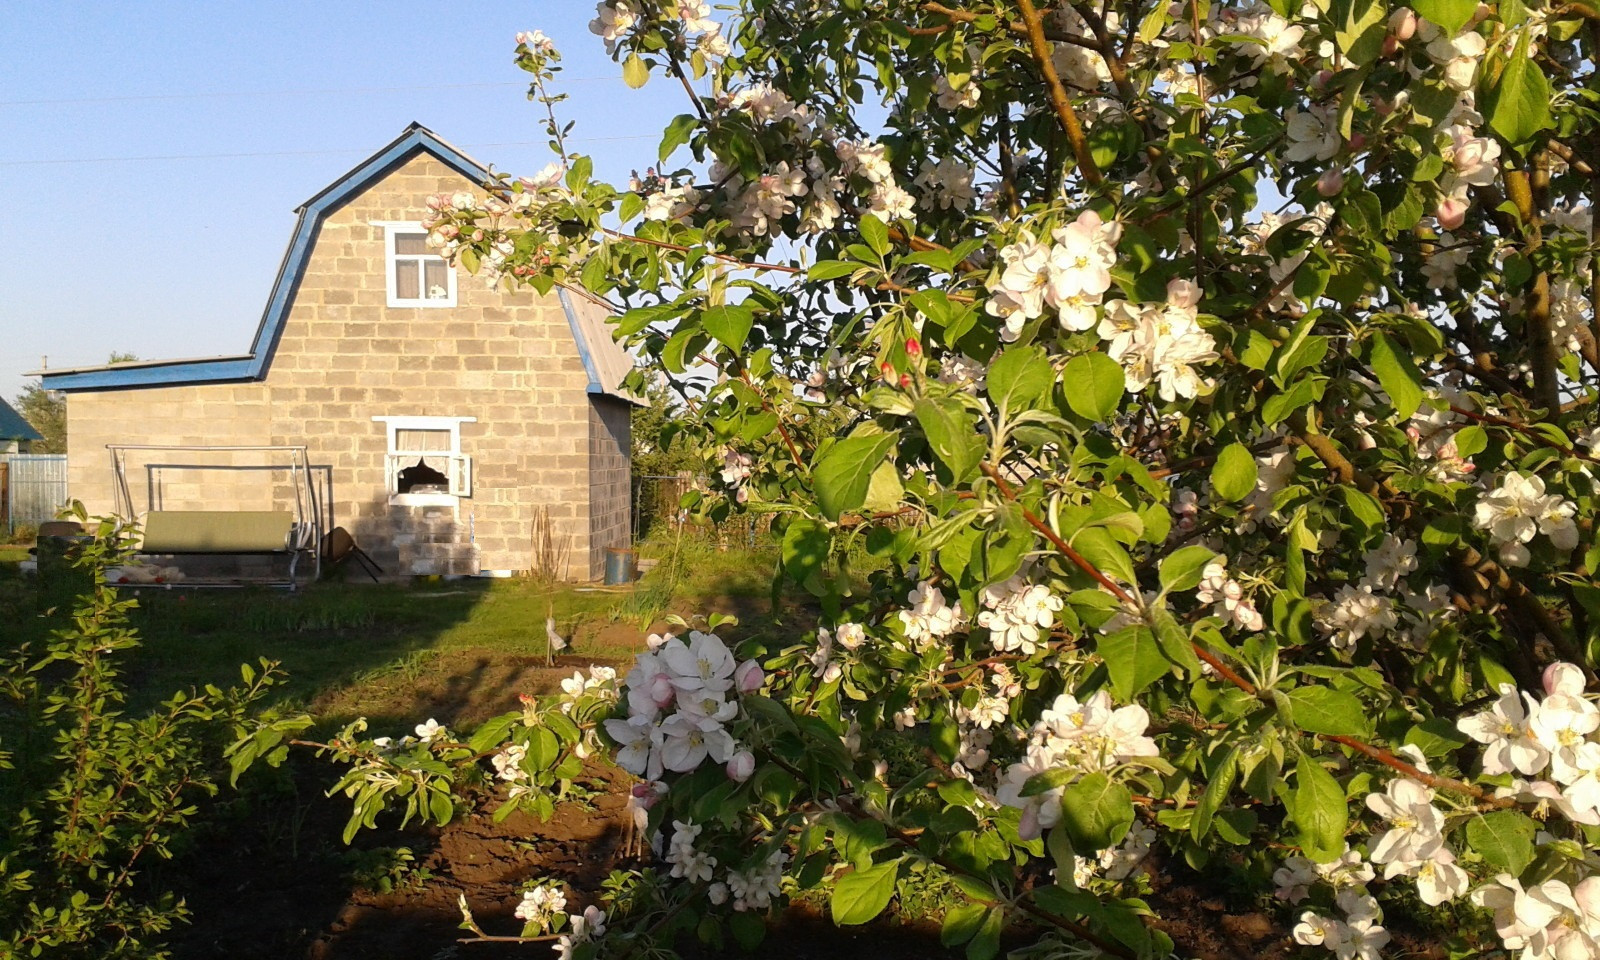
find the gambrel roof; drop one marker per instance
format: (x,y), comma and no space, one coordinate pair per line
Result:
(604,361)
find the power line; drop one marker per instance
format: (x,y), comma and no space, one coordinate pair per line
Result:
(292,153)
(284,93)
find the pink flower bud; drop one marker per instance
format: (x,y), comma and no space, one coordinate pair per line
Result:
(1382,106)
(1452,213)
(1403,24)
(1331,182)
(661,690)
(748,678)
(1391,46)
(913,348)
(905,381)
(1563,678)
(645,795)
(1322,79)
(887,369)
(1358,142)
(741,765)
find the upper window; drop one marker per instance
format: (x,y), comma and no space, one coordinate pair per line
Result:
(415,275)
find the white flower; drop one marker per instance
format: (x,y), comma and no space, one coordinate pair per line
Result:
(954,96)
(1080,262)
(540,904)
(1519,508)
(1017,613)
(432,730)
(1439,879)
(1316,930)
(929,618)
(688,740)
(1389,561)
(1475,160)
(639,741)
(1415,825)
(1019,291)
(614,18)
(1160,343)
(946,185)
(1294,879)
(1356,612)
(850,635)
(704,663)
(1313,135)
(507,762)
(1504,730)
(1562,725)
(696,15)
(536,40)
(1448,256)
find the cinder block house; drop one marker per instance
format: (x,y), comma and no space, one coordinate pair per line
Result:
(442,417)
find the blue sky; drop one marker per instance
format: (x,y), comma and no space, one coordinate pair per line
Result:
(244,111)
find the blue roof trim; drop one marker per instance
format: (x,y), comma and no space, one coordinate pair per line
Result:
(595,386)
(416,139)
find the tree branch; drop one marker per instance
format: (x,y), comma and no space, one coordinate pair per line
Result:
(1058,94)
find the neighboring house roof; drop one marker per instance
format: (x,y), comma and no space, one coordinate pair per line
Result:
(605,361)
(13,427)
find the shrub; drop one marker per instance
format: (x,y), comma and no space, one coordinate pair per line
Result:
(91,795)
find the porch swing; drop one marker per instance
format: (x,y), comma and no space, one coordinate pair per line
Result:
(287,533)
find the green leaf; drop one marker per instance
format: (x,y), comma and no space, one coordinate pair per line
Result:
(1359,28)
(876,233)
(1504,838)
(492,732)
(1134,659)
(862,895)
(1094,384)
(1320,811)
(1182,569)
(986,944)
(729,324)
(1517,103)
(961,923)
(1329,712)
(1096,813)
(1397,374)
(635,73)
(1233,477)
(1436,737)
(677,134)
(831,269)
(1450,15)
(1363,507)
(1216,793)
(1298,394)
(1020,378)
(632,205)
(805,549)
(842,472)
(951,434)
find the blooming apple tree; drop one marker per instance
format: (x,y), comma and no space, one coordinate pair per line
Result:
(1217,384)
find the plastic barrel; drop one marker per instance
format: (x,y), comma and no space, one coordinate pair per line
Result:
(621,565)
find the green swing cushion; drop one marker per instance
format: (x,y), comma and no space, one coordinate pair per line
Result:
(217,531)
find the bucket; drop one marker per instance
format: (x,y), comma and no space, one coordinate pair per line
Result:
(621,566)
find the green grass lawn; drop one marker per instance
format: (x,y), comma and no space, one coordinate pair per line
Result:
(459,650)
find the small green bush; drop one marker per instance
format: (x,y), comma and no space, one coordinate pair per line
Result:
(90,795)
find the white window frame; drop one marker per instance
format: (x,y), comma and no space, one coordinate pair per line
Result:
(392,231)
(458,471)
